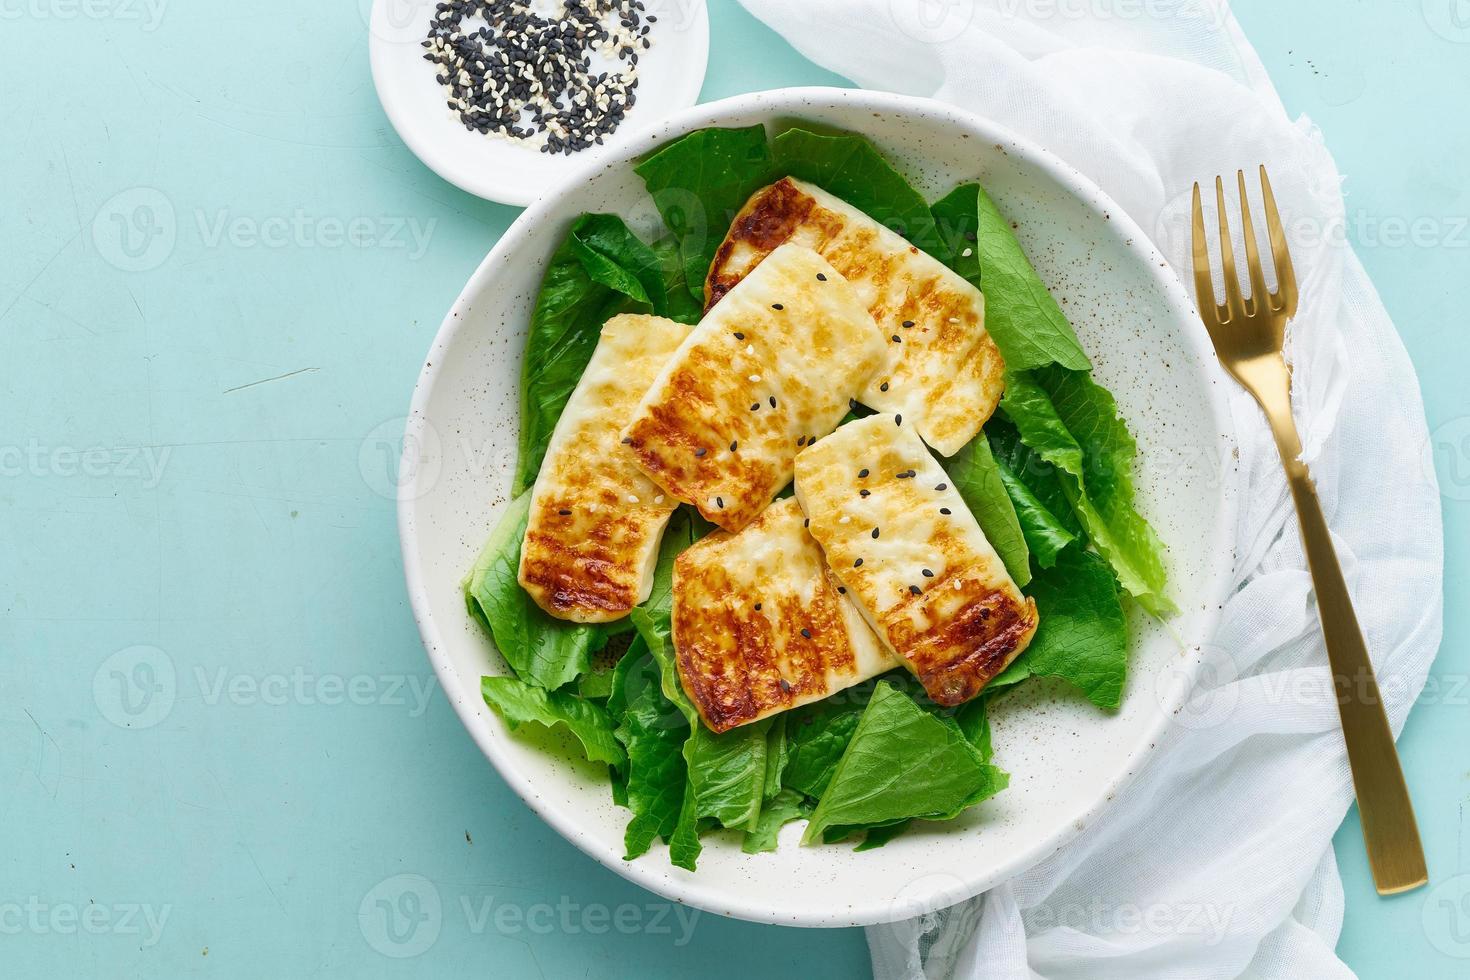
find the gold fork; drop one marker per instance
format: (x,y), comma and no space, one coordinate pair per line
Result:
(1248,333)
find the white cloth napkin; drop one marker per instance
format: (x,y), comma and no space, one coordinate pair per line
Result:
(1217,860)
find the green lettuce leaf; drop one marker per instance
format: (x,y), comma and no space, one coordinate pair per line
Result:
(1036,491)
(876,837)
(957,220)
(519,703)
(777,755)
(1044,532)
(901,763)
(685,527)
(597,682)
(816,735)
(726,772)
(980,482)
(698,182)
(653,732)
(599,270)
(1083,634)
(786,806)
(974,722)
(1024,319)
(1072,423)
(683,305)
(595,685)
(848,166)
(541,649)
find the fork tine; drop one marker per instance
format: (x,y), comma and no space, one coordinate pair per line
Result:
(1234,306)
(1204,288)
(1260,300)
(1285,276)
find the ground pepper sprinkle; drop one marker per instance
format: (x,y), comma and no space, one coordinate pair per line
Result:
(508,70)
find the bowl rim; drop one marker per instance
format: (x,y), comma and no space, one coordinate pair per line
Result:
(1171,696)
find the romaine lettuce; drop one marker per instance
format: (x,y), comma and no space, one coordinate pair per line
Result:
(519,703)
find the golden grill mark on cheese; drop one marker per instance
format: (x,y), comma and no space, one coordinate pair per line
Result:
(765,373)
(913,557)
(941,369)
(595,522)
(759,626)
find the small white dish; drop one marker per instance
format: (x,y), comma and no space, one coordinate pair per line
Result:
(511,171)
(1067,759)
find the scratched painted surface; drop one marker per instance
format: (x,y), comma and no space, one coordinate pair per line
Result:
(221,749)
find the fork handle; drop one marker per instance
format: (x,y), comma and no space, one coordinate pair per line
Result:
(1389,831)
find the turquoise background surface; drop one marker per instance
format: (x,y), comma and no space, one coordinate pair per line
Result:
(221,747)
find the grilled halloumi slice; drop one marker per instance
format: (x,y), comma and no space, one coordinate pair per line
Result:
(912,556)
(595,522)
(760,624)
(770,369)
(941,368)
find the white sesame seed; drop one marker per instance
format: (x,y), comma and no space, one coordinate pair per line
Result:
(750,349)
(844,519)
(659,499)
(632,498)
(968,252)
(755,379)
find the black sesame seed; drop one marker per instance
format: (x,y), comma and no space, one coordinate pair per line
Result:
(852,404)
(944,510)
(806,633)
(883,386)
(720,502)
(755,407)
(485,69)
(858,563)
(627,441)
(842,590)
(875,532)
(915,589)
(565,513)
(897,339)
(898,420)
(800,441)
(864,493)
(757,607)
(734,446)
(785,686)
(777,306)
(942,487)
(772,400)
(821,277)
(807,522)
(907,324)
(927,573)
(863,474)
(739,335)
(700,451)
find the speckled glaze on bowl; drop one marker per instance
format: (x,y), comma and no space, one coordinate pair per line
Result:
(1067,760)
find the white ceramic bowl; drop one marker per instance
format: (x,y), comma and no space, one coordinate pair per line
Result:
(670,74)
(1066,758)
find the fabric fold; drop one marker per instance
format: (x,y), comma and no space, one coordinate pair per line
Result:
(1216,861)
